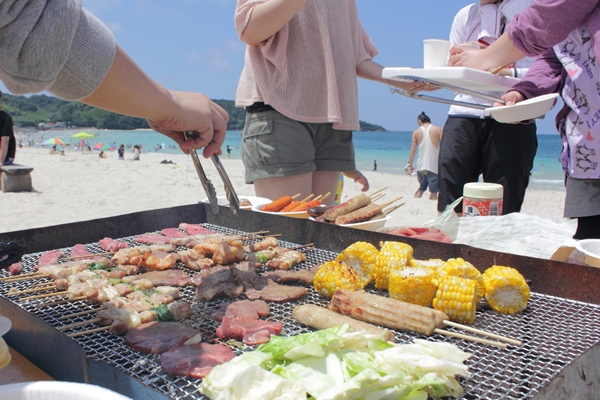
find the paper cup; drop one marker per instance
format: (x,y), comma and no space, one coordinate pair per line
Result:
(435,53)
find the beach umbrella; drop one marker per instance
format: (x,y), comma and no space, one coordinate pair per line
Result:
(104,146)
(82,135)
(54,141)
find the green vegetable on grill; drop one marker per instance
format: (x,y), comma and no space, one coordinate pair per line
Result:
(163,314)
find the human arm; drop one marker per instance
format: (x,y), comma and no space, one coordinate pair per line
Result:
(266,18)
(413,151)
(128,90)
(359,178)
(3,148)
(369,69)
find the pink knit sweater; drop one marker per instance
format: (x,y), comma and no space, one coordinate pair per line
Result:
(307,70)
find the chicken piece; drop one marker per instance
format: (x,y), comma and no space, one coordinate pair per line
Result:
(287,260)
(229,252)
(265,244)
(195,260)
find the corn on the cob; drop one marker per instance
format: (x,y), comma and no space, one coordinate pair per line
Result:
(334,275)
(505,289)
(413,285)
(361,256)
(434,263)
(456,296)
(463,269)
(392,255)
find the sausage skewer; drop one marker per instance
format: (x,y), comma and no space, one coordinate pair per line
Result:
(397,314)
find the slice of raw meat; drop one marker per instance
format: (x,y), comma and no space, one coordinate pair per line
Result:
(49,258)
(275,292)
(173,233)
(250,330)
(158,337)
(194,229)
(246,308)
(112,245)
(194,360)
(152,238)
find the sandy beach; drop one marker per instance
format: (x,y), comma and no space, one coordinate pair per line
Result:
(78,187)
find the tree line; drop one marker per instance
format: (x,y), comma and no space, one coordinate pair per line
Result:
(30,111)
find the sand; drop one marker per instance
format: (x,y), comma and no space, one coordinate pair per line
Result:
(78,187)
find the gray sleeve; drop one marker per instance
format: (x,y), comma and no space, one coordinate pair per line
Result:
(53,45)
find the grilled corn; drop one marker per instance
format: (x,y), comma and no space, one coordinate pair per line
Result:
(392,256)
(463,269)
(456,296)
(433,263)
(334,275)
(413,285)
(505,289)
(362,257)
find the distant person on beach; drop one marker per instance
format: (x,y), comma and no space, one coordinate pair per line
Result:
(297,137)
(475,144)
(425,142)
(8,143)
(121,152)
(136,153)
(35,56)
(228,151)
(102,154)
(374,165)
(567,46)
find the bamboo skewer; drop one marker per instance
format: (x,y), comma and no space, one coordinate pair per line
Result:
(325,196)
(387,203)
(77,314)
(377,191)
(41,296)
(389,210)
(25,278)
(311,245)
(307,198)
(88,256)
(76,324)
(498,69)
(253,233)
(484,333)
(32,274)
(104,328)
(58,302)
(31,291)
(377,197)
(470,338)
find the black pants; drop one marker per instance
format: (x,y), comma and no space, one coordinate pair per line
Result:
(503,153)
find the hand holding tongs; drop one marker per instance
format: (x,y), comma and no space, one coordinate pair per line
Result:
(230,193)
(458,89)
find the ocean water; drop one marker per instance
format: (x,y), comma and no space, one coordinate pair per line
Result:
(390,149)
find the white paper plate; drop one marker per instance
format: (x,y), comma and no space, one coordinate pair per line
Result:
(367,225)
(53,390)
(591,251)
(5,325)
(527,109)
(298,214)
(254,200)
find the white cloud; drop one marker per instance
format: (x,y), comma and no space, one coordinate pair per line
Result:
(235,46)
(217,60)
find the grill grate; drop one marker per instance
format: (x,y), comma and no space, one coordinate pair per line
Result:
(554,332)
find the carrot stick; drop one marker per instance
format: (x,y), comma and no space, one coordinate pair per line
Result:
(290,206)
(306,206)
(278,204)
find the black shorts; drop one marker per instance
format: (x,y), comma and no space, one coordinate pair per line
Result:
(503,153)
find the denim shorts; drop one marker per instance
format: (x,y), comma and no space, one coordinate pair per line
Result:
(275,146)
(428,178)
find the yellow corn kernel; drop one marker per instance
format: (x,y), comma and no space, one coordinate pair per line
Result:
(361,256)
(463,269)
(413,285)
(334,275)
(392,256)
(506,290)
(456,296)
(433,263)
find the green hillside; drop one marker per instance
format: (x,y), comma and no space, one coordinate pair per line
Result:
(32,110)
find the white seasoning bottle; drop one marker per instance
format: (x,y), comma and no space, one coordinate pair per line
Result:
(482,199)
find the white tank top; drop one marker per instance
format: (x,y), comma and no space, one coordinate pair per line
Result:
(428,153)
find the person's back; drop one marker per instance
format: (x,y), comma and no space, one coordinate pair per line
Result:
(425,141)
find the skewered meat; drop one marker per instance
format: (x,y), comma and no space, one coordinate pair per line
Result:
(194,229)
(194,360)
(286,260)
(173,233)
(15,269)
(303,275)
(155,261)
(209,246)
(112,245)
(122,256)
(157,337)
(387,312)
(267,254)
(170,277)
(227,252)
(195,260)
(263,244)
(192,240)
(347,207)
(58,271)
(322,318)
(120,320)
(275,292)
(152,238)
(214,282)
(362,214)
(250,330)
(246,308)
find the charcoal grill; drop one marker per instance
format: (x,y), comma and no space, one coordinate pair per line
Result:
(560,328)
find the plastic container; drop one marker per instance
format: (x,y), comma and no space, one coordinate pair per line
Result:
(482,199)
(5,356)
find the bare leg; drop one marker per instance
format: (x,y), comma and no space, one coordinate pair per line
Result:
(324,182)
(274,188)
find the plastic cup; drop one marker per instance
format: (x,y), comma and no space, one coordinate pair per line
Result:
(435,53)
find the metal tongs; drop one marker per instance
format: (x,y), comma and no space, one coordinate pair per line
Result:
(408,78)
(230,193)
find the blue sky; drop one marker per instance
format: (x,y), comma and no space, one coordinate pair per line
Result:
(192,45)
